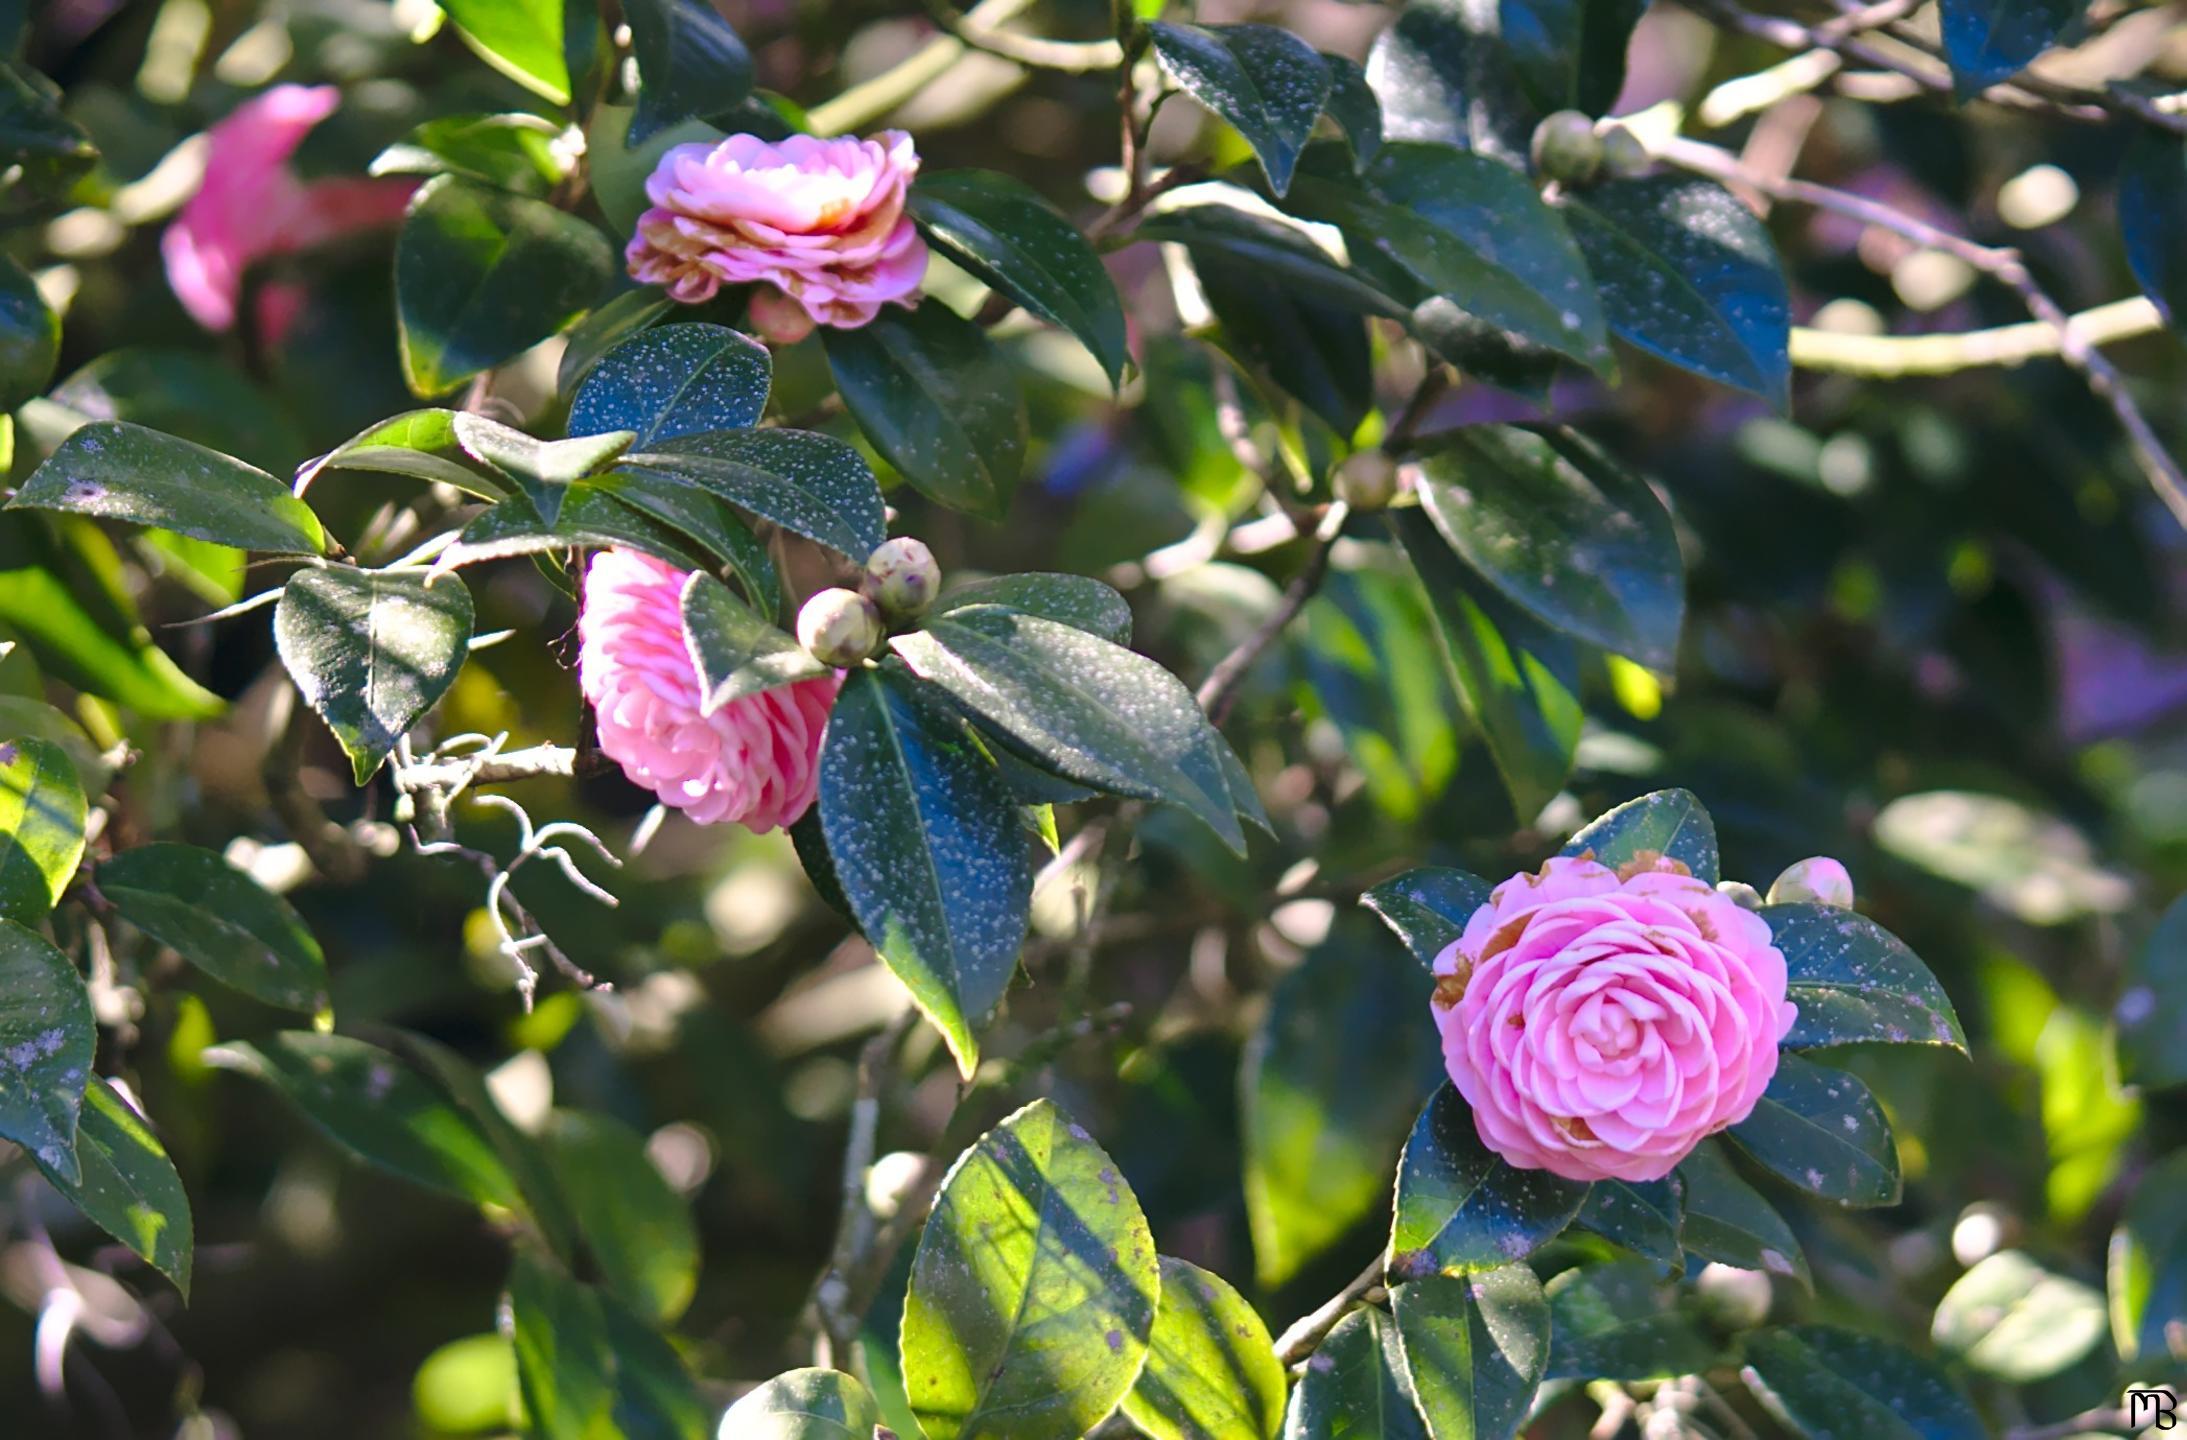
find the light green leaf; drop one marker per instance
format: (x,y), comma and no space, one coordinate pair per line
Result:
(126,1185)
(1211,1371)
(804,1405)
(520,38)
(371,651)
(1462,1207)
(1372,666)
(42,814)
(118,471)
(513,151)
(47,1042)
(543,469)
(2147,1269)
(220,920)
(421,444)
(2010,1318)
(1473,1348)
(940,402)
(563,1364)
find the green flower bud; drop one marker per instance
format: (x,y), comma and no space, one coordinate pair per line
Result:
(902,578)
(1565,148)
(1623,156)
(839,627)
(1368,481)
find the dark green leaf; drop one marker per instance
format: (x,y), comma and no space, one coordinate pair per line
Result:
(706,520)
(1823,1132)
(736,651)
(2010,1318)
(2153,215)
(47,1042)
(520,38)
(926,847)
(1332,1078)
(2151,1016)
(640,1231)
(812,484)
(1427,907)
(42,814)
(2148,1267)
(1443,74)
(655,1397)
(1211,1371)
(675,380)
(606,325)
(371,651)
(1986,41)
(591,518)
(1570,54)
(1265,81)
(1354,107)
(1688,273)
(1462,1207)
(1355,1387)
(1642,1216)
(1473,1349)
(939,401)
(220,920)
(563,1363)
(1015,242)
(691,65)
(118,471)
(377,1108)
(1620,1322)
(1372,667)
(421,444)
(1663,824)
(1278,248)
(511,152)
(1833,1384)
(33,130)
(1562,531)
(482,275)
(543,469)
(804,1405)
(1726,1219)
(1316,352)
(126,1185)
(189,394)
(1075,600)
(1855,982)
(1034,1291)
(30,337)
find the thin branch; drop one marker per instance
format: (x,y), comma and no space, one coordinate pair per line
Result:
(838,1322)
(1889,357)
(537,762)
(1298,1341)
(864,103)
(1220,690)
(1073,57)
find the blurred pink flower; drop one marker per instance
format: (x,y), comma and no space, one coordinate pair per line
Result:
(755,760)
(252,206)
(821,222)
(1602,1023)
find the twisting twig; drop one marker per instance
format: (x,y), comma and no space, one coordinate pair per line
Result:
(1888,357)
(1303,1334)
(1073,57)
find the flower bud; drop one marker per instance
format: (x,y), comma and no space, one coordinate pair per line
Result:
(1818,878)
(1623,156)
(902,578)
(1740,893)
(1734,1299)
(1367,481)
(1565,148)
(839,627)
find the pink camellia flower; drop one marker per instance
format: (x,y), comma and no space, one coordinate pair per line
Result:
(755,760)
(1601,1023)
(252,206)
(821,222)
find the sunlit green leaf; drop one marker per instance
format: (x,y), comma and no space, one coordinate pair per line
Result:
(1473,1348)
(639,1231)
(1664,824)
(126,1185)
(2010,1317)
(371,651)
(41,827)
(804,1405)
(118,471)
(1265,81)
(46,1044)
(220,920)
(1211,1371)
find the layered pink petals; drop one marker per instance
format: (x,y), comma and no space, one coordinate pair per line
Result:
(1600,1025)
(252,206)
(820,221)
(755,760)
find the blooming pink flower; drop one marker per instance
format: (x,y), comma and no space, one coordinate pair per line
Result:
(252,206)
(821,222)
(1601,1023)
(755,760)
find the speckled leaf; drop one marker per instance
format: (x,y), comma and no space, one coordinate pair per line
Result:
(590,517)
(543,469)
(1570,54)
(1034,1290)
(563,1364)
(1824,1133)
(42,813)
(814,485)
(1427,907)
(1004,233)
(737,652)
(1620,1321)
(117,471)
(520,38)
(1354,107)
(371,651)
(1211,1371)
(220,920)
(1727,1219)
(377,1108)
(939,401)
(46,1045)
(1986,41)
(1662,823)
(1562,531)
(1642,1216)
(804,1405)
(675,380)
(707,521)
(2147,1269)
(1462,1207)
(927,850)
(2150,1019)
(1855,982)
(1833,1384)
(1316,352)
(605,326)
(1688,273)
(691,64)
(639,1230)
(30,338)
(1265,81)
(1354,1386)
(421,444)
(482,275)
(1473,1348)
(2153,215)
(1333,1077)
(2010,1318)
(1443,74)
(126,1185)
(1079,601)
(1278,248)
(1079,706)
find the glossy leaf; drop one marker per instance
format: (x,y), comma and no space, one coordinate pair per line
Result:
(639,1231)
(2147,1269)
(1211,1371)
(118,471)
(1855,982)
(1726,1219)
(563,1364)
(46,1046)
(1269,84)
(1316,352)
(1034,1290)
(1687,273)
(736,651)
(1621,1322)
(2153,214)
(543,469)
(371,651)
(421,444)
(674,380)
(1663,824)
(1015,242)
(1427,907)
(520,38)
(1372,667)
(1821,1130)
(513,151)
(1079,601)
(1570,54)
(1833,1384)
(1462,1207)
(1276,247)
(30,338)
(482,275)
(704,519)
(691,64)
(42,813)
(2150,1020)
(1986,41)
(1473,1348)
(1643,1216)
(2010,1318)
(607,325)
(812,484)
(925,841)
(804,1405)
(1443,74)
(1353,105)
(939,401)
(126,1185)
(220,920)
(1354,1387)
(591,516)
